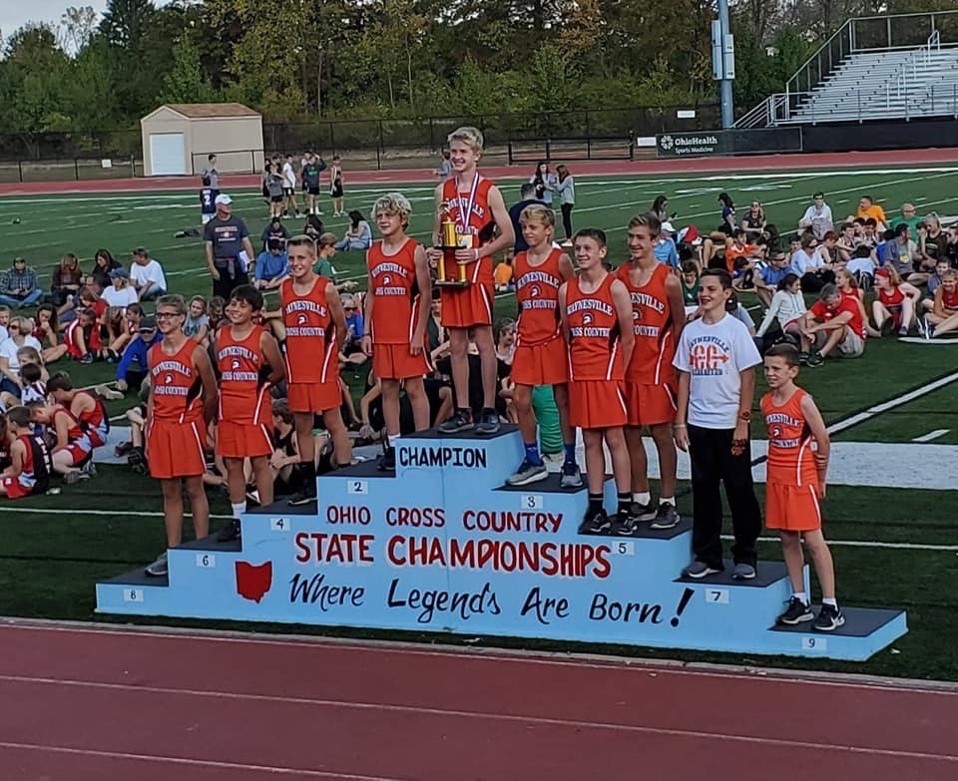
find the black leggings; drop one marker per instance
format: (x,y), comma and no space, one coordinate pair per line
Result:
(567,218)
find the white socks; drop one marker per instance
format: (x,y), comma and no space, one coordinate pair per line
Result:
(238,509)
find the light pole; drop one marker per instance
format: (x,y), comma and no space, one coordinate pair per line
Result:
(723,61)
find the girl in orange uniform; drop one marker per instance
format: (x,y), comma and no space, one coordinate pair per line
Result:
(794,485)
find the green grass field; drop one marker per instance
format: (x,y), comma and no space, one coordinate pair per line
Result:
(894,547)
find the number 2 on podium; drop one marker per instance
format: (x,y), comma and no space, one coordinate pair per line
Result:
(358,487)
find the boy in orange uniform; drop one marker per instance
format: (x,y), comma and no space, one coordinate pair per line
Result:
(541,356)
(597,324)
(795,484)
(249,363)
(397,311)
(476,206)
(315,326)
(658,315)
(182,401)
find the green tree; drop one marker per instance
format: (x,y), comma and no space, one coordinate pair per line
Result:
(185,82)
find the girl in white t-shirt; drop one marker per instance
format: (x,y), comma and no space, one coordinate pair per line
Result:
(716,359)
(787,306)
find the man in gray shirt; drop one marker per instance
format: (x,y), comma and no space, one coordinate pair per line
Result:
(229,251)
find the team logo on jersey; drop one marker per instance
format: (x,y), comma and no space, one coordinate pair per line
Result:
(534,291)
(235,363)
(302,318)
(636,314)
(167,379)
(387,280)
(587,318)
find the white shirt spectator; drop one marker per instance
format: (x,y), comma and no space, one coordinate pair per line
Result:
(121,298)
(9,349)
(803,263)
(140,276)
(289,176)
(819,220)
(714,355)
(785,306)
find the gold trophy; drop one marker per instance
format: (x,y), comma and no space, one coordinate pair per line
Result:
(450,241)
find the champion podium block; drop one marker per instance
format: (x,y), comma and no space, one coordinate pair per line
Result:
(442,545)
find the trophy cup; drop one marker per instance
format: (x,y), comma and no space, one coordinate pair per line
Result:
(450,241)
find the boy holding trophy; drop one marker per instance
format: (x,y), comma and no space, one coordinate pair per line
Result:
(469,208)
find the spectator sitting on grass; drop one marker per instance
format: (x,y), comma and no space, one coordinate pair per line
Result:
(120,294)
(868,209)
(767,280)
(933,242)
(907,216)
(808,264)
(325,249)
(848,287)
(82,337)
(664,248)
(358,236)
(149,281)
(4,322)
(895,302)
(197,323)
(690,284)
(20,285)
(817,217)
(935,280)
(103,265)
(503,274)
(275,230)
(755,223)
(46,331)
(833,323)
(133,367)
(352,351)
(943,317)
(787,307)
(904,258)
(272,266)
(67,278)
(19,330)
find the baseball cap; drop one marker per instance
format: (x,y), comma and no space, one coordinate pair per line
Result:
(223,199)
(120,273)
(147,323)
(667,227)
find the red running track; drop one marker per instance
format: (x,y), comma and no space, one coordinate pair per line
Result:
(85,704)
(699,165)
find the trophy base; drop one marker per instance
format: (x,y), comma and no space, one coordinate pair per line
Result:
(453,283)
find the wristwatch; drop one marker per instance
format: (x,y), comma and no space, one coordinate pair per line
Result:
(745,416)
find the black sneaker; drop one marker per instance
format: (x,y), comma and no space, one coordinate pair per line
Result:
(229,532)
(388,461)
(305,496)
(488,423)
(595,522)
(814,360)
(571,476)
(803,359)
(666,517)
(624,524)
(796,613)
(642,512)
(460,421)
(829,619)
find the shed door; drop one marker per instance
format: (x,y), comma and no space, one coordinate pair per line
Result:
(168,154)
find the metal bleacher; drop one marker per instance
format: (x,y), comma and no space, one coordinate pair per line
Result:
(852,81)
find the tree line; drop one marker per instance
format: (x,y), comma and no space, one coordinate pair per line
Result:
(300,60)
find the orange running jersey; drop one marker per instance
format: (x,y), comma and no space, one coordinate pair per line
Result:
(311,349)
(651,362)
(176,384)
(537,293)
(394,285)
(595,352)
(791,460)
(949,300)
(480,225)
(244,392)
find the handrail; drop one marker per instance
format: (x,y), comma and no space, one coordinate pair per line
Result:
(804,65)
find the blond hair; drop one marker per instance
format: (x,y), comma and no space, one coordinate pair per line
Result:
(393,203)
(468,135)
(540,212)
(173,301)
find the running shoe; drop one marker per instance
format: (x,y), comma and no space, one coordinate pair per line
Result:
(459,422)
(829,619)
(528,473)
(666,517)
(797,612)
(571,476)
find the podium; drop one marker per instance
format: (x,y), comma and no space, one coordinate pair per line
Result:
(442,545)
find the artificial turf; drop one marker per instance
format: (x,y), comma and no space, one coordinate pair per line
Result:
(50,561)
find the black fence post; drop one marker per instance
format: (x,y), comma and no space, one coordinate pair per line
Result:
(549,150)
(20,169)
(132,167)
(76,169)
(432,138)
(382,139)
(379,162)
(332,139)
